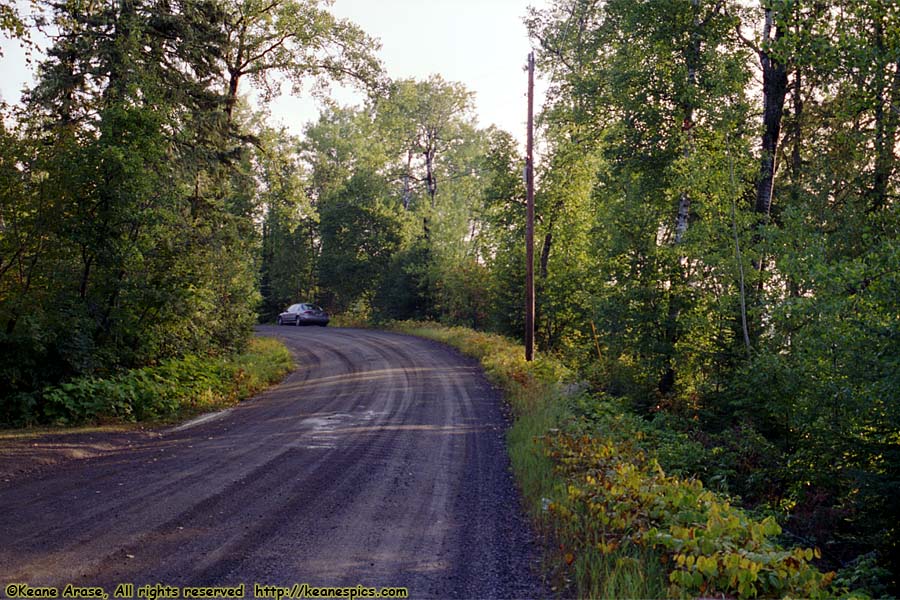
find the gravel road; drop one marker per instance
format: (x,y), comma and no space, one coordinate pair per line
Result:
(380,461)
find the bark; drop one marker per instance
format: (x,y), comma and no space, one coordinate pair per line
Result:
(407,192)
(430,178)
(545,253)
(231,100)
(87,261)
(235,72)
(774,92)
(797,133)
(430,182)
(692,58)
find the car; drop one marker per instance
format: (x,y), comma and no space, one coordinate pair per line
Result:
(303,314)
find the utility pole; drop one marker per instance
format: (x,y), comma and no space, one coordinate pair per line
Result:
(529,218)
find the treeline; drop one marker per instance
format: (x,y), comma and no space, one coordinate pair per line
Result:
(394,211)
(717,240)
(129,199)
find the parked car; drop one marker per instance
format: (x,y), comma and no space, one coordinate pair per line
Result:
(303,314)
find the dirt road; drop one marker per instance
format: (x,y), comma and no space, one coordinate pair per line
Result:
(380,461)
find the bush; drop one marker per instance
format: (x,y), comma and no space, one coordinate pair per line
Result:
(616,497)
(173,389)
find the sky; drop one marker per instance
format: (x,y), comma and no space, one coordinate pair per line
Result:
(481,43)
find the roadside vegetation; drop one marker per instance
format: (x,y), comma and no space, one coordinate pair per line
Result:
(619,526)
(173,390)
(133,178)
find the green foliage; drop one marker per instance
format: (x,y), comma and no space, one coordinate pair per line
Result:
(759,349)
(146,214)
(405,289)
(129,229)
(503,230)
(133,181)
(863,573)
(359,237)
(463,294)
(617,497)
(290,228)
(11,22)
(172,390)
(299,40)
(393,189)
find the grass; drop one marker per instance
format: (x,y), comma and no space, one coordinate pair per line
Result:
(265,362)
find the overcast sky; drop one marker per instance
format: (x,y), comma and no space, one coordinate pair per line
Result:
(480,43)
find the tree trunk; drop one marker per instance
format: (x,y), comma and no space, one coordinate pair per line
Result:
(87,260)
(235,71)
(407,192)
(545,253)
(797,134)
(692,59)
(430,185)
(230,102)
(774,92)
(430,178)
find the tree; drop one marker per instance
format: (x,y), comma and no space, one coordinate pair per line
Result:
(774,72)
(360,233)
(120,233)
(290,241)
(684,199)
(655,88)
(426,120)
(297,39)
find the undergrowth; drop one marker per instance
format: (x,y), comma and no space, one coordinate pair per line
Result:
(621,527)
(172,390)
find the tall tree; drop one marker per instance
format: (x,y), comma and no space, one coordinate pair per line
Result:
(656,87)
(426,120)
(296,39)
(774,76)
(124,126)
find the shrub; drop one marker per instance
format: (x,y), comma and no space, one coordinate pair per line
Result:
(173,389)
(617,497)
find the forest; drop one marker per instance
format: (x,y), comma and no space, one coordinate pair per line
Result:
(717,237)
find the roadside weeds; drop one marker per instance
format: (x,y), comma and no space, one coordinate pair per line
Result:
(614,524)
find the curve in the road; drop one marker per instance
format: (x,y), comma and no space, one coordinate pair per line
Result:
(380,461)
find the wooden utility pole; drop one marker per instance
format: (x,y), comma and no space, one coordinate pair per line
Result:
(529,218)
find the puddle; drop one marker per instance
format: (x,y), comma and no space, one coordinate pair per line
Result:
(319,430)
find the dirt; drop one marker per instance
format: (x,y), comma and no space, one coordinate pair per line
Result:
(380,461)
(25,451)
